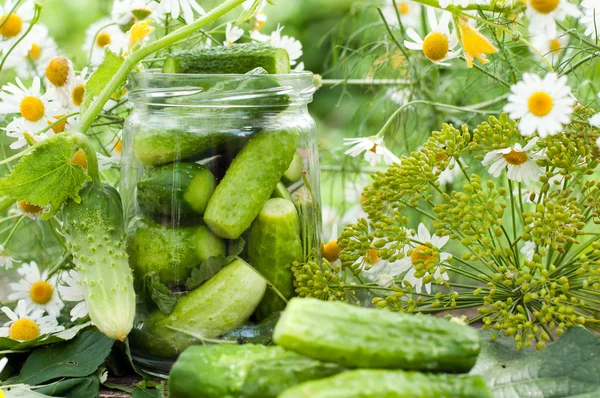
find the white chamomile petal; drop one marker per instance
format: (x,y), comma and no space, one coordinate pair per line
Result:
(36,290)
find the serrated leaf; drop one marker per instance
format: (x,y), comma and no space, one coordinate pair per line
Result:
(46,177)
(164,298)
(250,12)
(109,67)
(79,357)
(566,368)
(214,264)
(7,344)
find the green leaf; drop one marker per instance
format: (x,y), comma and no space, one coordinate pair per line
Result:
(109,67)
(79,357)
(164,298)
(147,393)
(7,344)
(214,264)
(566,368)
(73,388)
(22,391)
(46,177)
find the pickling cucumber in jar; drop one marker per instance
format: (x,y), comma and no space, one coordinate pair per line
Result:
(213,168)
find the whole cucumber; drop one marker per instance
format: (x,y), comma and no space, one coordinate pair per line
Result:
(370,338)
(367,383)
(170,252)
(273,245)
(221,304)
(175,190)
(249,182)
(241,371)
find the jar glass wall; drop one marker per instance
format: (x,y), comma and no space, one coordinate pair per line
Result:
(220,185)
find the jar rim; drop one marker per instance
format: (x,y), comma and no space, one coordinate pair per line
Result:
(221,90)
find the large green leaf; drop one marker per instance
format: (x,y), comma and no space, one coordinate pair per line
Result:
(73,388)
(567,368)
(8,345)
(46,177)
(79,357)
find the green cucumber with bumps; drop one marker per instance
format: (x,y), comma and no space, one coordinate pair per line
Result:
(236,59)
(379,338)
(175,190)
(221,304)
(370,383)
(241,371)
(273,245)
(96,238)
(171,252)
(249,182)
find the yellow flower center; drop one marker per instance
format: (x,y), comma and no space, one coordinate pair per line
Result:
(103,39)
(80,159)
(515,158)
(32,108)
(60,126)
(544,6)
(372,256)
(24,330)
(259,22)
(119,146)
(35,51)
(436,46)
(331,251)
(403,8)
(77,94)
(13,24)
(540,103)
(58,70)
(139,31)
(28,208)
(422,253)
(41,292)
(555,45)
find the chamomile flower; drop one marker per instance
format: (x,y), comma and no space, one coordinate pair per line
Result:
(428,250)
(187,8)
(330,250)
(37,289)
(128,12)
(551,47)
(232,34)
(591,17)
(78,88)
(474,44)
(33,107)
(543,15)
(32,54)
(288,43)
(542,105)
(72,291)
(61,76)
(437,45)
(21,133)
(409,12)
(26,324)
(260,18)
(374,149)
(14,23)
(29,210)
(519,161)
(6,260)
(101,35)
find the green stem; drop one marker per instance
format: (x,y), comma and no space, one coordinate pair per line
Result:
(90,114)
(12,232)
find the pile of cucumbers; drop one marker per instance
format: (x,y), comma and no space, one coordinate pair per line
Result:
(336,350)
(190,215)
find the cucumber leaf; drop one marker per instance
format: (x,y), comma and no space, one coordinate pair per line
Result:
(567,368)
(79,357)
(214,264)
(8,345)
(73,388)
(164,298)
(109,67)
(46,177)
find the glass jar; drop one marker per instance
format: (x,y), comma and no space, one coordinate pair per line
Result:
(220,186)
